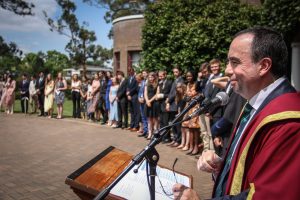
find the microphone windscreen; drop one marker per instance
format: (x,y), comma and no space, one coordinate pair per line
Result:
(223,97)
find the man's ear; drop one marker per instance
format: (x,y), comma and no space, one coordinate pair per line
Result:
(265,66)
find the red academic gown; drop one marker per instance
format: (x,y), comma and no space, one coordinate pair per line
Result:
(267,160)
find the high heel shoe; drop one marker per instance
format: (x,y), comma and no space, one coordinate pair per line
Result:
(195,153)
(189,152)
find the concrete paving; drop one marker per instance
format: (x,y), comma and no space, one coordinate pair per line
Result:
(37,154)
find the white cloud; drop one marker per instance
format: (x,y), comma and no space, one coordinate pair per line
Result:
(12,22)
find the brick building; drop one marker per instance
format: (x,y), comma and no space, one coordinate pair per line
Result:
(127,41)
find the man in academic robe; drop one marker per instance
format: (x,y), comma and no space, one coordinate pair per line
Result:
(261,161)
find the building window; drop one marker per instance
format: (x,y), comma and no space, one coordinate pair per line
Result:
(117,60)
(134,58)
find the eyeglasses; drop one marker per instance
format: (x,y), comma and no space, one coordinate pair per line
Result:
(173,171)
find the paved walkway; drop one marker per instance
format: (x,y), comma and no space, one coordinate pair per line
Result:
(36,155)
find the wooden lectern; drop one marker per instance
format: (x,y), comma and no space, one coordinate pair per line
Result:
(99,172)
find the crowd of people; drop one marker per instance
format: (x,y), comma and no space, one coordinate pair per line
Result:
(149,100)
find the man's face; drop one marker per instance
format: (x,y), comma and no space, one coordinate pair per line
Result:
(119,77)
(145,75)
(204,73)
(215,68)
(176,73)
(244,77)
(161,76)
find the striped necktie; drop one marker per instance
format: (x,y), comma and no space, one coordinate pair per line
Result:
(224,175)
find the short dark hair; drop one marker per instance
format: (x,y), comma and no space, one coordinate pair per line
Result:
(120,73)
(205,66)
(268,43)
(177,67)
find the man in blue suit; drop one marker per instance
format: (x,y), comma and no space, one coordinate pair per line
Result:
(24,91)
(132,96)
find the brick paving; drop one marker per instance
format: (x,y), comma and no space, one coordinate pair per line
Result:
(37,154)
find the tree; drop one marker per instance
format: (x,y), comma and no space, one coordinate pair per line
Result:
(56,61)
(190,32)
(9,56)
(32,63)
(81,45)
(19,7)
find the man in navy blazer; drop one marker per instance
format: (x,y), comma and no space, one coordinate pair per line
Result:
(40,92)
(24,91)
(132,96)
(122,101)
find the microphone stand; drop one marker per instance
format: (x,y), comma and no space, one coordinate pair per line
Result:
(150,153)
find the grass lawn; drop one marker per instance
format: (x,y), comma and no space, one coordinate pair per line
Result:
(68,108)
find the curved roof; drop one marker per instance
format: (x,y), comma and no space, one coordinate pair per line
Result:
(129,17)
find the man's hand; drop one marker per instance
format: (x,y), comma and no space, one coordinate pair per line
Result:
(182,192)
(209,161)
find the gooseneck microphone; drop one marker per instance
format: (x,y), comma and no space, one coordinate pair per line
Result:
(221,99)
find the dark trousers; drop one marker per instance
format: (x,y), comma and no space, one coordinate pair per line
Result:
(76,104)
(123,112)
(176,129)
(41,98)
(134,112)
(164,118)
(24,104)
(102,108)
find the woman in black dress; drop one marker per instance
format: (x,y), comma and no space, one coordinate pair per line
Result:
(152,106)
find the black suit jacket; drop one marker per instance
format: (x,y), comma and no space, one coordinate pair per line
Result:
(165,90)
(121,93)
(132,86)
(40,85)
(24,88)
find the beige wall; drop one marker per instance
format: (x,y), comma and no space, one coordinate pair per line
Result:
(127,37)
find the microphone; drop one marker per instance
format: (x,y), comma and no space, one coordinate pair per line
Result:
(221,99)
(229,88)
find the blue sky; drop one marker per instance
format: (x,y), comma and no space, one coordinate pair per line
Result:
(32,34)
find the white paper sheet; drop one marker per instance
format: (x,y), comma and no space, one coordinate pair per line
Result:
(134,186)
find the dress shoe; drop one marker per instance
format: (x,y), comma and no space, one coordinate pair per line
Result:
(134,130)
(142,135)
(129,129)
(103,123)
